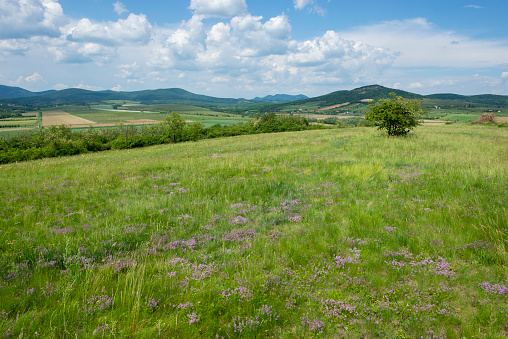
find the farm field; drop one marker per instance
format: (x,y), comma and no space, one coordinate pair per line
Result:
(459,112)
(104,115)
(56,118)
(326,233)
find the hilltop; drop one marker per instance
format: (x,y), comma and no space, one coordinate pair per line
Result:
(280,102)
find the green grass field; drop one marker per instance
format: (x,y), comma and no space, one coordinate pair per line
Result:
(327,233)
(105,114)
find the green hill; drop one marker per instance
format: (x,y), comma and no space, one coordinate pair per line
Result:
(280,101)
(8,92)
(159,96)
(485,99)
(373,92)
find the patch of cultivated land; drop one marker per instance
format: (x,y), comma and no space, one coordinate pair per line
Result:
(330,233)
(56,118)
(433,122)
(332,107)
(324,116)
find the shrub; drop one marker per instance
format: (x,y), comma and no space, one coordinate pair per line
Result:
(396,115)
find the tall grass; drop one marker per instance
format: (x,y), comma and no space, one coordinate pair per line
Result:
(329,233)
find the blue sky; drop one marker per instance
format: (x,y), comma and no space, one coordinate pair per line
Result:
(247,48)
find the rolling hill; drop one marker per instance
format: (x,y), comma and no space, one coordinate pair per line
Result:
(8,92)
(281,98)
(277,102)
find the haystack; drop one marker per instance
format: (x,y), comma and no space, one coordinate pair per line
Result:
(486,117)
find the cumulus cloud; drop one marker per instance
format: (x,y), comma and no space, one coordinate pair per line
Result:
(29,79)
(134,29)
(504,78)
(119,8)
(414,85)
(130,72)
(89,87)
(27,18)
(420,43)
(59,86)
(249,50)
(34,77)
(79,53)
(218,8)
(230,45)
(13,47)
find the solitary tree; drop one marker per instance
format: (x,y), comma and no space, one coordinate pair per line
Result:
(396,115)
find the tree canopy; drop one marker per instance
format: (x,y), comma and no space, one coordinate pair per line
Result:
(396,115)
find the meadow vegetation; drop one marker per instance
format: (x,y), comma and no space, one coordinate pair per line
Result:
(321,233)
(61,141)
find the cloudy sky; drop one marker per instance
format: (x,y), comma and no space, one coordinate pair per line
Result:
(248,48)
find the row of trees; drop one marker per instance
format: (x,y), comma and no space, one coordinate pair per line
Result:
(61,141)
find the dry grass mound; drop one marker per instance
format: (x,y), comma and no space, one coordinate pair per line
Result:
(486,117)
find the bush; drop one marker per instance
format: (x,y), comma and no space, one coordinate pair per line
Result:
(396,115)
(61,141)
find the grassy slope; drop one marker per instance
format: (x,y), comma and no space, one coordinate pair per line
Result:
(284,235)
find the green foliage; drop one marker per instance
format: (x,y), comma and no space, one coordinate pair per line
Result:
(61,141)
(396,115)
(270,123)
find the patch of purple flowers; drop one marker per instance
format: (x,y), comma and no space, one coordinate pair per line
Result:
(238,220)
(315,325)
(493,289)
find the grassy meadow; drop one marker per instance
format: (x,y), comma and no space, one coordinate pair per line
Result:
(341,233)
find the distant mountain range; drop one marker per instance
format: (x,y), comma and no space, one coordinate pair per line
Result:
(7,92)
(271,102)
(280,98)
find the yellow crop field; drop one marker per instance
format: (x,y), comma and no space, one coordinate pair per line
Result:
(63,118)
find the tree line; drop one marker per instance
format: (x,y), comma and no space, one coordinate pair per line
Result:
(62,141)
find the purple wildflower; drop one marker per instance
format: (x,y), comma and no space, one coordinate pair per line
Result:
(493,289)
(238,220)
(193,318)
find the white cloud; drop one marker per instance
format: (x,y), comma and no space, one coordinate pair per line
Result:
(128,71)
(334,55)
(416,85)
(81,85)
(79,53)
(134,29)
(473,6)
(89,87)
(218,8)
(23,19)
(222,79)
(301,4)
(249,52)
(60,86)
(119,8)
(419,43)
(13,47)
(36,77)
(504,78)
